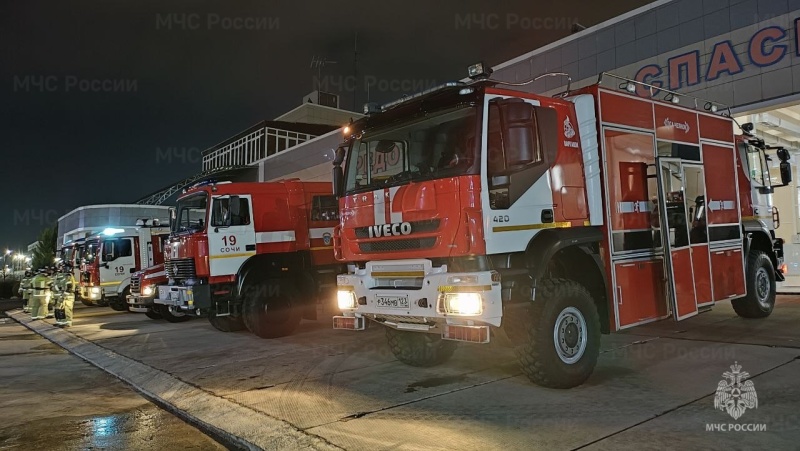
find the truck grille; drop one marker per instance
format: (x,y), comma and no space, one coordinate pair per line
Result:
(398,245)
(180,269)
(426,225)
(135,284)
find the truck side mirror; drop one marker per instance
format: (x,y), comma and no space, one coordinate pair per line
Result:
(339,154)
(172,216)
(518,125)
(786,172)
(338,181)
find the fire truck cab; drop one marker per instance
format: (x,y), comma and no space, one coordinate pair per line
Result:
(251,255)
(479,210)
(113,255)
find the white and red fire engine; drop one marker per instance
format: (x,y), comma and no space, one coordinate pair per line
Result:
(254,255)
(112,256)
(477,210)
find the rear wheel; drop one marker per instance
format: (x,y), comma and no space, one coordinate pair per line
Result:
(418,348)
(173,316)
(270,309)
(563,337)
(760,278)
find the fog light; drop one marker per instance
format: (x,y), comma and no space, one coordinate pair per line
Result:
(346,299)
(147,291)
(95,290)
(463,303)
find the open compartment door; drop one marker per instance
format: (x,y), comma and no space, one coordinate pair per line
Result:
(674,222)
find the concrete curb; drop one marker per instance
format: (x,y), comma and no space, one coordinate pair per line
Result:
(232,424)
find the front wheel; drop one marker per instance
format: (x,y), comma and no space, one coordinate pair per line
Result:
(118,305)
(761,290)
(153,314)
(419,348)
(270,309)
(226,323)
(564,335)
(175,316)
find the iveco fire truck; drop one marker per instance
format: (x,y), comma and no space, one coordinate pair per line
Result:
(478,210)
(144,285)
(254,255)
(113,255)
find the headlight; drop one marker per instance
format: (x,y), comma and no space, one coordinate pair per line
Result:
(463,303)
(346,299)
(95,290)
(147,291)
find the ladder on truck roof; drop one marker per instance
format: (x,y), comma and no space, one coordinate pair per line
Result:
(162,195)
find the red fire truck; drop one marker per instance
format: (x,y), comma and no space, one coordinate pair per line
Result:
(254,255)
(478,210)
(144,285)
(112,256)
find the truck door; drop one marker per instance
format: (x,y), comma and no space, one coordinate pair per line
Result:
(683,212)
(116,264)
(231,234)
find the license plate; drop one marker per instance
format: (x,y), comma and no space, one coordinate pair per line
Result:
(393,301)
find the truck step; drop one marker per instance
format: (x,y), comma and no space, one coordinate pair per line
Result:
(348,322)
(471,334)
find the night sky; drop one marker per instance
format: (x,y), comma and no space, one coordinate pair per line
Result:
(107,101)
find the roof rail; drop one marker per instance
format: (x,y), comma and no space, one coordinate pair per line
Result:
(450,84)
(630,85)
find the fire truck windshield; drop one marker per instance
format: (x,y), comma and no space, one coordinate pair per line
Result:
(191,215)
(436,146)
(90,251)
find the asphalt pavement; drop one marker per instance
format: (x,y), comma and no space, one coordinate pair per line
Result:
(653,388)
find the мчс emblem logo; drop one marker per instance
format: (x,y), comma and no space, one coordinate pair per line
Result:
(735,393)
(569,132)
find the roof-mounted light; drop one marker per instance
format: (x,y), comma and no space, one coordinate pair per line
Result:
(479,70)
(111,231)
(371,107)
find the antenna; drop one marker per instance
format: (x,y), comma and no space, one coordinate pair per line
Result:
(319,63)
(355,70)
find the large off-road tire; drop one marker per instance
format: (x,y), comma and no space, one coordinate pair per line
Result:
(153,314)
(419,348)
(271,309)
(173,317)
(228,323)
(761,290)
(563,339)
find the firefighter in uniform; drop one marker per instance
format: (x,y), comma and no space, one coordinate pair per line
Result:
(25,291)
(41,293)
(64,309)
(52,273)
(57,293)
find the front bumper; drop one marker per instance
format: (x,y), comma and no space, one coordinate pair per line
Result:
(186,298)
(140,304)
(92,293)
(413,295)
